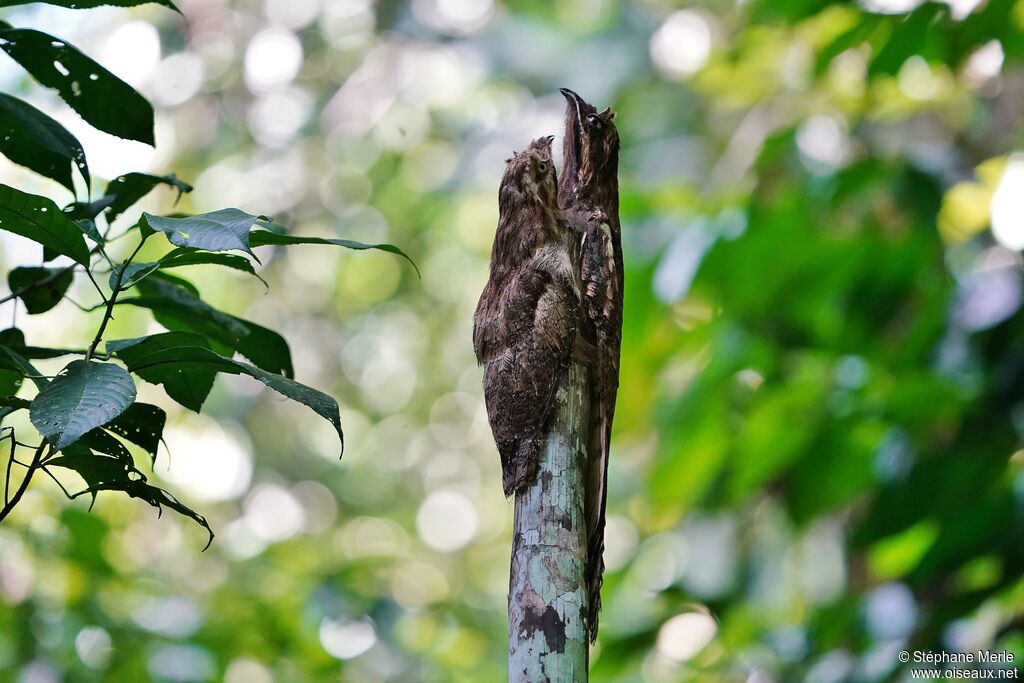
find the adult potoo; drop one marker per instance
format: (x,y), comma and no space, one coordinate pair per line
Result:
(526,321)
(588,193)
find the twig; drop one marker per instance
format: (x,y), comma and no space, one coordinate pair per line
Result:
(116,289)
(10,504)
(48,473)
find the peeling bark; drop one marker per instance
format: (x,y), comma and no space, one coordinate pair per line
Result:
(547,591)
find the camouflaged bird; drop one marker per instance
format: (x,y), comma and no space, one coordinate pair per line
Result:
(526,321)
(588,194)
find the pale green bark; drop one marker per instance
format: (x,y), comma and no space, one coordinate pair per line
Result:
(547,592)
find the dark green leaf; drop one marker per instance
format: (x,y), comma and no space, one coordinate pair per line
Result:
(10,340)
(138,488)
(32,139)
(11,378)
(133,274)
(100,97)
(188,385)
(89,4)
(94,469)
(39,219)
(142,424)
(40,288)
(84,396)
(87,210)
(222,230)
(125,190)
(186,256)
(11,404)
(100,441)
(88,228)
(145,354)
(178,309)
(12,373)
(261,238)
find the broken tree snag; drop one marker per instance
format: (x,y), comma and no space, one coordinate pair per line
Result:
(547,590)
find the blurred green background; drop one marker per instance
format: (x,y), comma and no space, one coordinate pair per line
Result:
(818,456)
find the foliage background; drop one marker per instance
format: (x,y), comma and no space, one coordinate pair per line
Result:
(817,458)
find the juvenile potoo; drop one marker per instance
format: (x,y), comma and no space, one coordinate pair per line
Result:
(588,193)
(525,323)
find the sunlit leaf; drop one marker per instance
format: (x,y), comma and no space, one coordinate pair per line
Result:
(223,230)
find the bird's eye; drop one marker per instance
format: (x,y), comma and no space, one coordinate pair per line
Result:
(542,167)
(593,120)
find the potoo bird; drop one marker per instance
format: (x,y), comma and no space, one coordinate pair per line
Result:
(588,193)
(525,323)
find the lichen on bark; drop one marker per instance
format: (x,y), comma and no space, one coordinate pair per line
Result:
(547,592)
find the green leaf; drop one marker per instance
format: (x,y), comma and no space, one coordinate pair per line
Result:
(81,210)
(179,309)
(100,441)
(30,138)
(11,378)
(222,230)
(12,372)
(11,404)
(11,340)
(89,4)
(186,256)
(126,190)
(84,396)
(146,354)
(101,98)
(141,424)
(189,386)
(133,274)
(262,238)
(94,469)
(40,288)
(157,497)
(88,228)
(39,219)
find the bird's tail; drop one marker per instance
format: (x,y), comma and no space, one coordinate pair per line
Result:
(597,488)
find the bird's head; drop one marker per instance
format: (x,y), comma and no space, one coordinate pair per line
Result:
(591,147)
(530,175)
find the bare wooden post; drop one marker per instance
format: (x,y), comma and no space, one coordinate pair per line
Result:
(547,639)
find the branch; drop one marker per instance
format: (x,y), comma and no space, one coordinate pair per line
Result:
(24,482)
(547,602)
(109,312)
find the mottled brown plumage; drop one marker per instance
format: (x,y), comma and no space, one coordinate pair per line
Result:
(588,193)
(525,323)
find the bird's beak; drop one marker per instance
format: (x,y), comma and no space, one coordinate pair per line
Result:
(574,116)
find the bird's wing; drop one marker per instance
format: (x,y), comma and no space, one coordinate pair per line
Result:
(602,304)
(520,382)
